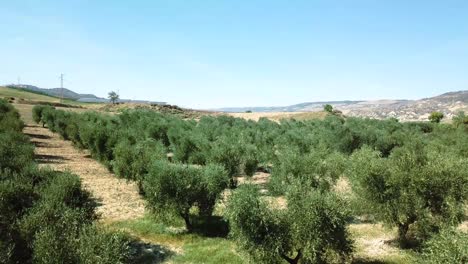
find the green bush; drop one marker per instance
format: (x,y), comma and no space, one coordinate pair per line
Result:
(318,169)
(9,118)
(72,244)
(37,113)
(177,188)
(450,246)
(436,117)
(460,119)
(15,151)
(96,246)
(132,160)
(311,229)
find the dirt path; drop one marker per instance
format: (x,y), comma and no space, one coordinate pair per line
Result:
(117,198)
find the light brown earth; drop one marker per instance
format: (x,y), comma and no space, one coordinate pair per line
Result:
(277,116)
(117,198)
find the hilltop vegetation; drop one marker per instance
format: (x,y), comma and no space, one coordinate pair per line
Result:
(412,176)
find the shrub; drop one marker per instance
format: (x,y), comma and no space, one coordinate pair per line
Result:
(311,229)
(9,118)
(15,151)
(318,169)
(132,160)
(38,111)
(96,246)
(176,188)
(53,242)
(68,241)
(460,119)
(447,247)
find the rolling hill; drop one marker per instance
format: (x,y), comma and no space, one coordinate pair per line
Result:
(406,110)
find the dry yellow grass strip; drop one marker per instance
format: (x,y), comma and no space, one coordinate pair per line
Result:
(117,199)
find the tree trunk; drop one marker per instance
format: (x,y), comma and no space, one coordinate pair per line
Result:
(402,231)
(292,260)
(186,218)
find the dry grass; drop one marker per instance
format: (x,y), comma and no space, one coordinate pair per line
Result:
(8,92)
(375,243)
(277,116)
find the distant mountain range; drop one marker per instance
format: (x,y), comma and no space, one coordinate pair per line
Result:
(69,94)
(406,110)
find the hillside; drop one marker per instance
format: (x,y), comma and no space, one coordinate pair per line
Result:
(69,94)
(406,110)
(56,92)
(24,96)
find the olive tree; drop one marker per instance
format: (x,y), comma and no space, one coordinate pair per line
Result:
(131,161)
(328,108)
(37,113)
(318,169)
(414,188)
(177,188)
(436,117)
(460,119)
(311,228)
(113,97)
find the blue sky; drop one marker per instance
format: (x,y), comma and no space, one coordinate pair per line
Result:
(214,53)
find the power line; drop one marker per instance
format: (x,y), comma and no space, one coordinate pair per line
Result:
(61,87)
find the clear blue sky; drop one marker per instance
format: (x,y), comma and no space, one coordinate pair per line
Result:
(213,53)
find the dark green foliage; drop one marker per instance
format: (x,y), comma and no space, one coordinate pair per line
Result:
(328,108)
(460,119)
(436,117)
(93,246)
(271,234)
(15,151)
(318,169)
(37,113)
(177,188)
(416,189)
(450,246)
(103,247)
(9,118)
(132,160)
(44,213)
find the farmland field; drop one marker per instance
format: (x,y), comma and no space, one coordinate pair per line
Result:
(185,190)
(170,185)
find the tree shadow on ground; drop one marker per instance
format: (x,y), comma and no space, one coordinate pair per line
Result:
(44,158)
(367,261)
(37,136)
(39,144)
(147,253)
(213,226)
